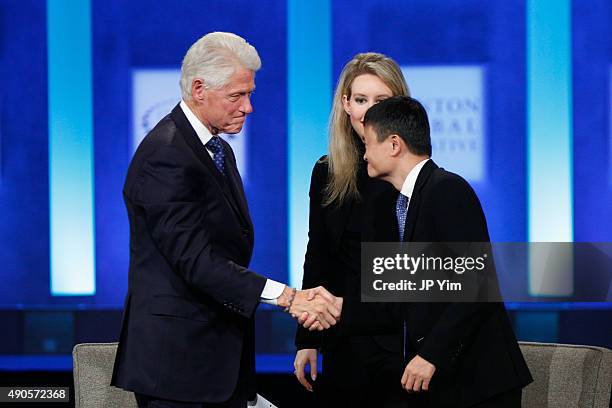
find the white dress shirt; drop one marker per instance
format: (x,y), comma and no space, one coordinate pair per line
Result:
(408,186)
(273,289)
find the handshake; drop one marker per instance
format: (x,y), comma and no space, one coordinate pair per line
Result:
(315,309)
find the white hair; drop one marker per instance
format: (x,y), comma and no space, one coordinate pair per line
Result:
(214,58)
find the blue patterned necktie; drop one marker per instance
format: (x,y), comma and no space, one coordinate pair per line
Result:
(400,212)
(215,146)
(401,207)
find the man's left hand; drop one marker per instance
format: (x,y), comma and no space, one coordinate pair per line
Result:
(417,375)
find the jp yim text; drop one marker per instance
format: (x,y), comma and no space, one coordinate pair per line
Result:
(425,285)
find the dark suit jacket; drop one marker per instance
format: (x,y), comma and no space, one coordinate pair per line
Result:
(472,345)
(187,330)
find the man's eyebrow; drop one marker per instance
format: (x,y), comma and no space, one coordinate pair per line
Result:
(241,91)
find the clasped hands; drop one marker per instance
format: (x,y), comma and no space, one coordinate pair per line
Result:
(315,309)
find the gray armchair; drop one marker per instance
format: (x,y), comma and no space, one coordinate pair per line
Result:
(92,369)
(567,376)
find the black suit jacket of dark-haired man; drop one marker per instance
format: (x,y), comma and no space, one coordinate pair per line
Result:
(472,345)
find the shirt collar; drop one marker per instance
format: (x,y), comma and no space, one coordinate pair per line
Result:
(409,183)
(202,131)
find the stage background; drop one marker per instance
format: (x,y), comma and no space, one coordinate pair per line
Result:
(468,61)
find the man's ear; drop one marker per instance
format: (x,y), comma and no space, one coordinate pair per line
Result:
(396,145)
(198,90)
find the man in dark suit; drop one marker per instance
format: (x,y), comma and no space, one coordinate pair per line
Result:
(456,354)
(187,337)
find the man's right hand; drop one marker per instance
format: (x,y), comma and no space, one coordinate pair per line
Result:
(303,357)
(317,303)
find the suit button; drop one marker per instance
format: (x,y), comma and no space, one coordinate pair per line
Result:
(245,233)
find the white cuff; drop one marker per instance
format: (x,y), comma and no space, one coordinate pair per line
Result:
(271,292)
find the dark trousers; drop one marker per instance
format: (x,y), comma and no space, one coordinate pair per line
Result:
(508,399)
(342,381)
(358,373)
(238,400)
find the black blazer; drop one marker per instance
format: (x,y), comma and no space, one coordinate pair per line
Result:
(327,224)
(472,345)
(188,316)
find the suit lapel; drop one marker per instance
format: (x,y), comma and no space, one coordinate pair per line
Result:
(235,182)
(415,201)
(201,153)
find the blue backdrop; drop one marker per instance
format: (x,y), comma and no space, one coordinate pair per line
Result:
(128,35)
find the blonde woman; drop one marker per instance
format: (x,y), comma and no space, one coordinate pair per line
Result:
(340,190)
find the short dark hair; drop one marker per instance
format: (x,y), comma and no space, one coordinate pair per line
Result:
(402,116)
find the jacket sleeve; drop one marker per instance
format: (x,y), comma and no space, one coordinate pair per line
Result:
(458,217)
(175,220)
(317,254)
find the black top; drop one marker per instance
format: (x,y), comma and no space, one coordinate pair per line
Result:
(333,255)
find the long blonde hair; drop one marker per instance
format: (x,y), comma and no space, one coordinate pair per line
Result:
(344,152)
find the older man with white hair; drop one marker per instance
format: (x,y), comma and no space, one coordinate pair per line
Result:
(187,338)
